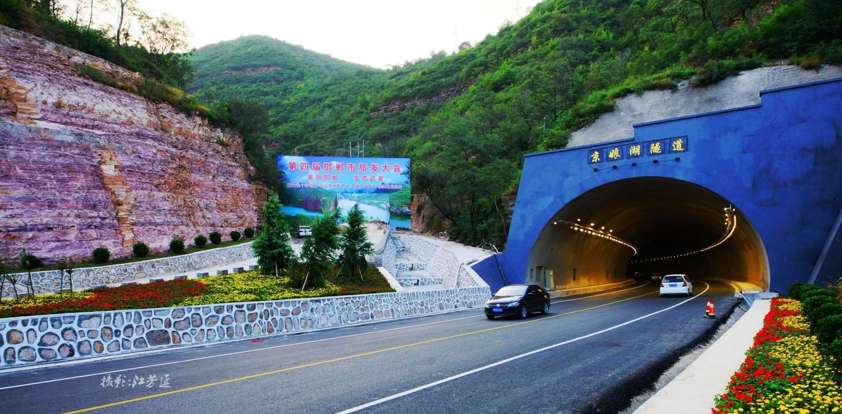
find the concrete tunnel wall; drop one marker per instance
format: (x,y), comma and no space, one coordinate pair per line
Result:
(778,163)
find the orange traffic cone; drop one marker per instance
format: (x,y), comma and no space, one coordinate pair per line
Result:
(710,311)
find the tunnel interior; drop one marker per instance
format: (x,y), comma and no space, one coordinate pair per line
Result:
(675,227)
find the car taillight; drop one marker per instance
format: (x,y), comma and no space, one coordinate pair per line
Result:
(662,284)
(684,284)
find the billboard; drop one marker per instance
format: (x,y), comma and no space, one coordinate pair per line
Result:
(319,185)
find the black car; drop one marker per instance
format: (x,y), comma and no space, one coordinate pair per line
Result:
(518,300)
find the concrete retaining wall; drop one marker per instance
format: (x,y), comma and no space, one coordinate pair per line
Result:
(32,340)
(89,277)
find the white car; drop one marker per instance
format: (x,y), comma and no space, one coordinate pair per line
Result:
(676,285)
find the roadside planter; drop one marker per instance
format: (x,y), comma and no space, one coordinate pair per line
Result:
(784,371)
(35,339)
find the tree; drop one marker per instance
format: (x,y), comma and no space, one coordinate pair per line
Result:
(354,244)
(271,246)
(124,9)
(251,120)
(319,249)
(66,265)
(29,262)
(165,38)
(6,274)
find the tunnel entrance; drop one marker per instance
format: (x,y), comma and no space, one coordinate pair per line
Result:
(647,225)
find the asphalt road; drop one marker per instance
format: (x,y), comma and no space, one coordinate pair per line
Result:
(590,354)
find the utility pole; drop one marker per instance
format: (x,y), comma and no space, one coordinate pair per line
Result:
(455,38)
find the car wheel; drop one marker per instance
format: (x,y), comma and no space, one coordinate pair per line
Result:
(546,309)
(489,316)
(523,312)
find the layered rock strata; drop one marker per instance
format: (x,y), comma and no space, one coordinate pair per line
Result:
(85,165)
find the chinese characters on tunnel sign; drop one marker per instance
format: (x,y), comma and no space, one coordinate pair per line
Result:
(638,150)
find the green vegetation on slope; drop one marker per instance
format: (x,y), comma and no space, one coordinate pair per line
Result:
(467,119)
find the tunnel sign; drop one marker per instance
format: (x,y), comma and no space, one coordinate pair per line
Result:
(638,150)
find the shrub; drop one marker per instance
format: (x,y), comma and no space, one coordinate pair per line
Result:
(248,232)
(811,303)
(828,328)
(101,255)
(177,245)
(816,290)
(795,290)
(200,241)
(835,350)
(140,249)
(810,290)
(235,235)
(811,62)
(215,237)
(823,311)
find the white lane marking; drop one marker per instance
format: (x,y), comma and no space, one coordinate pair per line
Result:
(603,294)
(514,358)
(227,354)
(259,350)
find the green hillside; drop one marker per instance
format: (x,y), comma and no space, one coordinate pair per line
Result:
(467,119)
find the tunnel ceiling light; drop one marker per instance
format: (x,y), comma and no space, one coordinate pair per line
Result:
(598,233)
(731,227)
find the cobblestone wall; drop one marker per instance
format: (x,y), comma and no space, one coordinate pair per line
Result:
(419,281)
(387,257)
(32,340)
(423,250)
(469,278)
(86,278)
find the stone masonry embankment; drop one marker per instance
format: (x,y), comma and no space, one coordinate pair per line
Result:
(38,339)
(439,263)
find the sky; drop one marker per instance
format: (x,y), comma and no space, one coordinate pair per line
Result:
(377,33)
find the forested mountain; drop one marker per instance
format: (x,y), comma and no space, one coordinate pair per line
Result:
(467,119)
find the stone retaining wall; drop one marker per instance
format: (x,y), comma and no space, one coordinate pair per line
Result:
(423,250)
(89,277)
(469,278)
(388,256)
(32,340)
(419,281)
(410,266)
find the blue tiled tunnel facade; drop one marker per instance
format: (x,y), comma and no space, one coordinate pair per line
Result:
(777,162)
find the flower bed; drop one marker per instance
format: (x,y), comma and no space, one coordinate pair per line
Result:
(784,372)
(241,287)
(150,295)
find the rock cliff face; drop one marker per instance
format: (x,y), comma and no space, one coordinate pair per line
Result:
(86,165)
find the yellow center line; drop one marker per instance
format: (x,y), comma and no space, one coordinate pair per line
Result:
(345,358)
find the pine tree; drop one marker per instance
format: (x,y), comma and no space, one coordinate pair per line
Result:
(271,246)
(354,244)
(319,250)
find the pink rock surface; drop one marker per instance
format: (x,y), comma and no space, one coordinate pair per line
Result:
(86,165)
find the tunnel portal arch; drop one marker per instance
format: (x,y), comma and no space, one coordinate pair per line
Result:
(778,163)
(669,226)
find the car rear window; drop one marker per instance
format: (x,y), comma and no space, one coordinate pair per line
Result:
(673,279)
(512,291)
